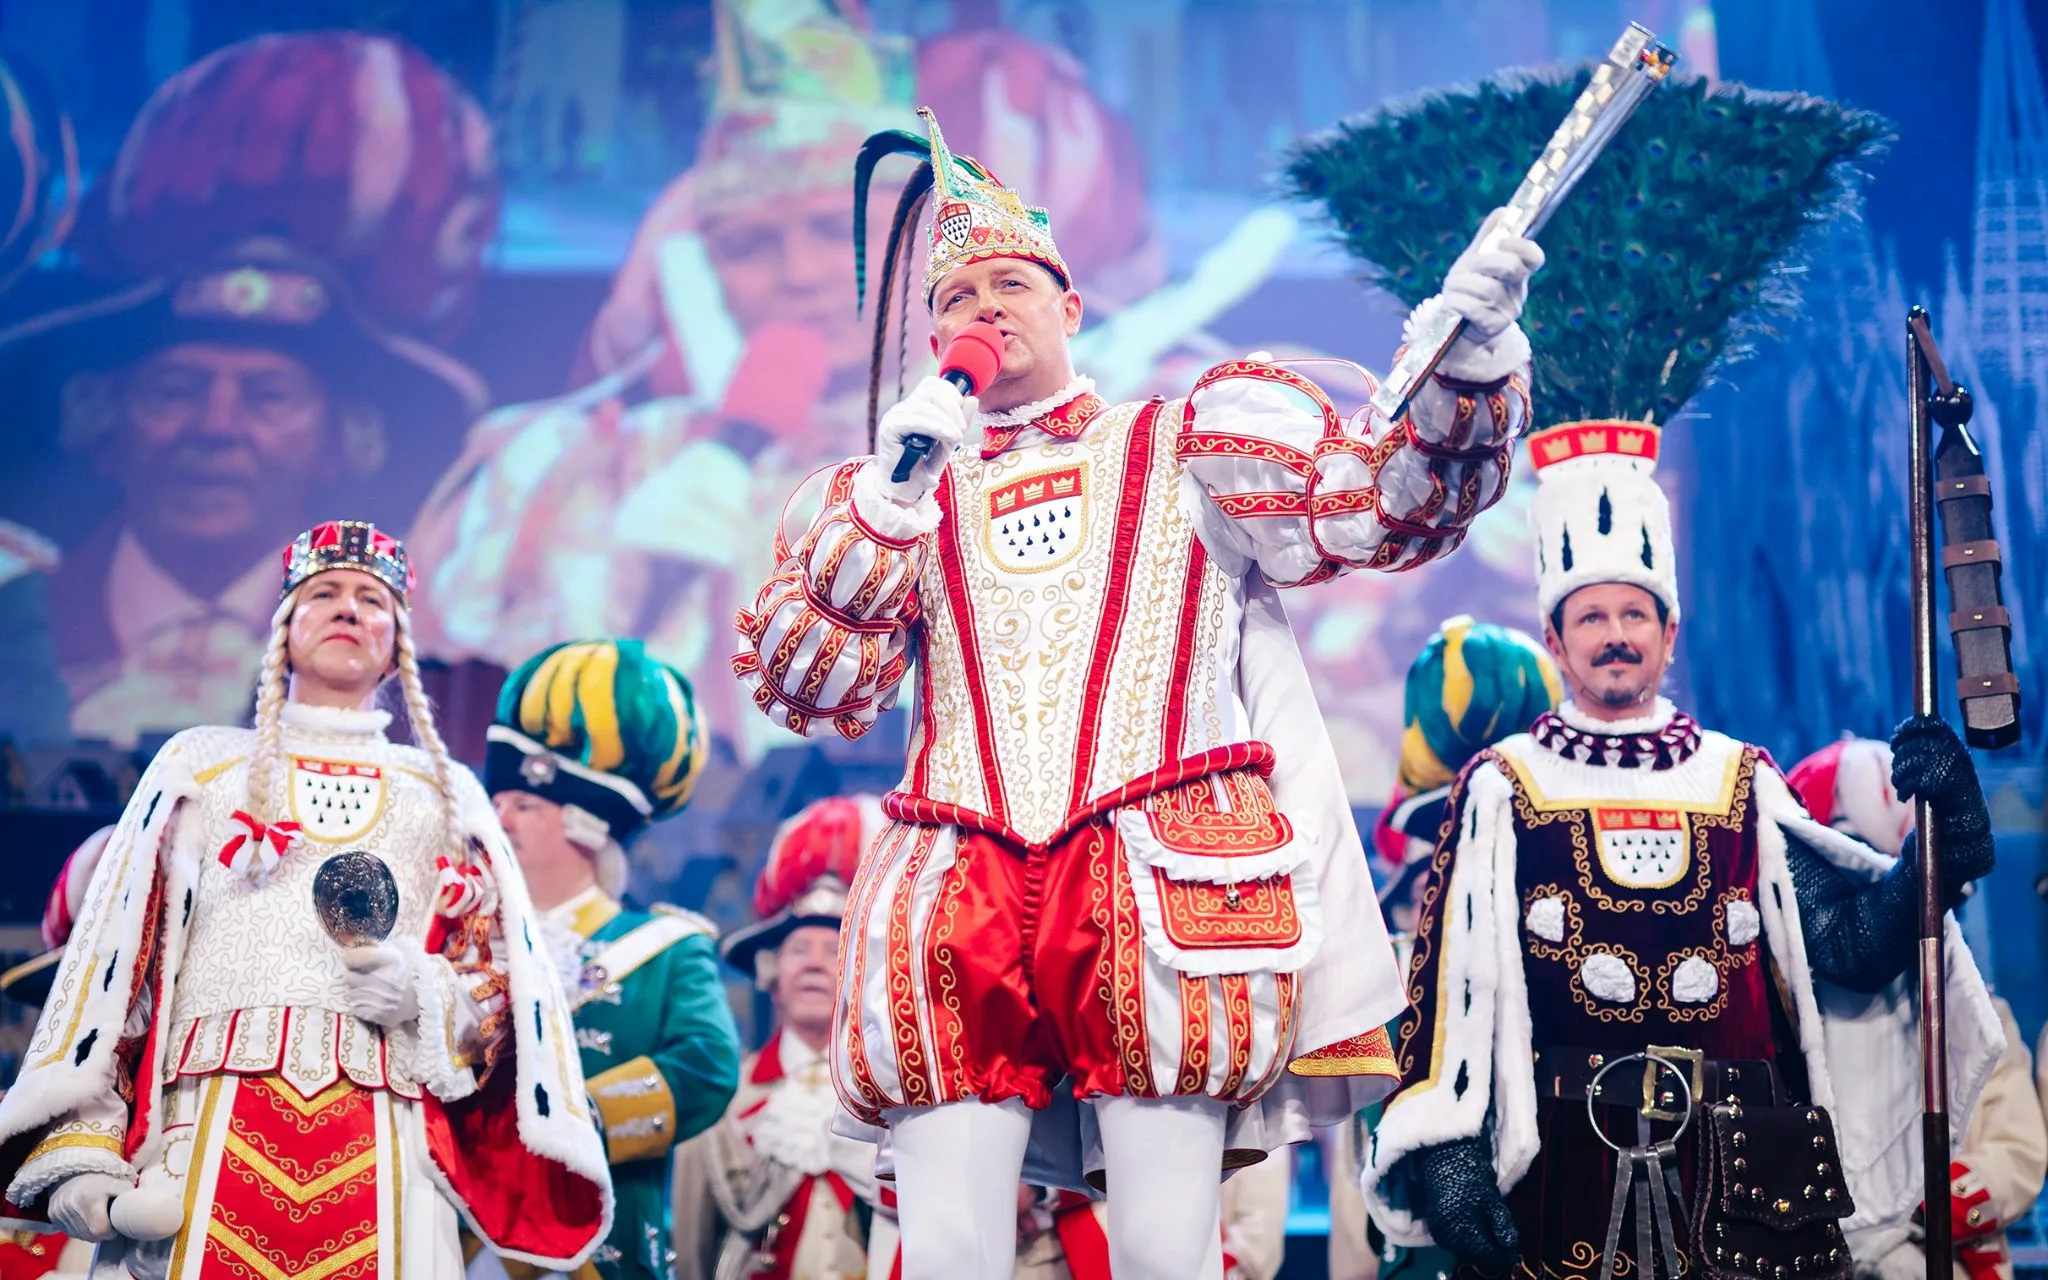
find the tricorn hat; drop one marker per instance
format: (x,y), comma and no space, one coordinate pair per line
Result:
(810,867)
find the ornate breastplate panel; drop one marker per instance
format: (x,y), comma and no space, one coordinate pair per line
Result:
(1075,632)
(260,945)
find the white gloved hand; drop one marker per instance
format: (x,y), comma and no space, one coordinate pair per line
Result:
(1490,280)
(377,980)
(78,1207)
(933,408)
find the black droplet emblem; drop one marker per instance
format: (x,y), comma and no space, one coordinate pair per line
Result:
(107,982)
(1606,515)
(1566,551)
(1649,556)
(540,1099)
(85,1048)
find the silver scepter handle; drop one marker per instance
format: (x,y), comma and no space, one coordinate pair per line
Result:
(1634,66)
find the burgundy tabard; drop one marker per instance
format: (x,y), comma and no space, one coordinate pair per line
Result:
(1641,896)
(1636,874)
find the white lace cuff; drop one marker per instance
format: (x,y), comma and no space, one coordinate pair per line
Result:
(69,1150)
(885,515)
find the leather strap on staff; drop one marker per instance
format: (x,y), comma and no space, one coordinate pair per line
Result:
(1988,618)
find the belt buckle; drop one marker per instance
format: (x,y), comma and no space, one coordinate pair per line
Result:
(1651,1069)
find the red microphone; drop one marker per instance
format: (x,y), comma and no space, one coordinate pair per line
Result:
(970,362)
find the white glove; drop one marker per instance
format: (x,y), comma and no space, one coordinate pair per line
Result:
(934,408)
(1490,280)
(377,980)
(78,1207)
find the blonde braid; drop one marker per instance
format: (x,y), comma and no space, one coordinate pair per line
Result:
(264,773)
(424,735)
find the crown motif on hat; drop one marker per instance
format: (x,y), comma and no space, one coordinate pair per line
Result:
(1633,445)
(977,217)
(349,544)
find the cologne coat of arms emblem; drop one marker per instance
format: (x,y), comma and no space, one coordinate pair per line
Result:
(956,222)
(1039,521)
(334,800)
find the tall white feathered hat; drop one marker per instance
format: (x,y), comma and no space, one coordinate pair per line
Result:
(1598,513)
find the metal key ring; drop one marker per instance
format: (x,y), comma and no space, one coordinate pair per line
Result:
(1593,1087)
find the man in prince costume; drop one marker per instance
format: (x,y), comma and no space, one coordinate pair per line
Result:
(1122,840)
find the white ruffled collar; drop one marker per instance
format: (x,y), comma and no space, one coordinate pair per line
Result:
(335,724)
(1025,414)
(1654,721)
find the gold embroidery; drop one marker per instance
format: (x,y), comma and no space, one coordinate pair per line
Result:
(1127,966)
(1531,812)
(192,1178)
(1573,951)
(944,976)
(1196,1028)
(66,1141)
(269,1270)
(210,772)
(1431,943)
(1366,1055)
(1738,761)
(1252,913)
(302,1191)
(1716,956)
(1225,815)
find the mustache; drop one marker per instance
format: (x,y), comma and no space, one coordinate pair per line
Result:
(1614,653)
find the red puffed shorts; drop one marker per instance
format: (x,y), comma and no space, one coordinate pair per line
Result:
(1150,951)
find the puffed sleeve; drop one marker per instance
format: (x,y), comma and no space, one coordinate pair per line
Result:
(1284,483)
(827,636)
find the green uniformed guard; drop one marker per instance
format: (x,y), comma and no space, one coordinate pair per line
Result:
(594,740)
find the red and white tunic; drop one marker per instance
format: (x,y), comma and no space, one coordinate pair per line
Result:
(1118,788)
(198,1039)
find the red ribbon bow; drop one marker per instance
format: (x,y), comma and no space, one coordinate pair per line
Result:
(264,844)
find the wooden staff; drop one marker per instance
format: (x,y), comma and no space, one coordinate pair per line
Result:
(1949,478)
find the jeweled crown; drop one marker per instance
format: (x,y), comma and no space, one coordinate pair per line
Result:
(349,544)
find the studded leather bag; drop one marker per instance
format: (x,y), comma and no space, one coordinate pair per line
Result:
(1770,1197)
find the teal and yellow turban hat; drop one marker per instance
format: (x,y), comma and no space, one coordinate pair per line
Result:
(1473,684)
(600,725)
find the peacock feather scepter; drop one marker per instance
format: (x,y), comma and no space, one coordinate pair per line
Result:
(1678,248)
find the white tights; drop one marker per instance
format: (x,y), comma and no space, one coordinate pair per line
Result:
(958,1165)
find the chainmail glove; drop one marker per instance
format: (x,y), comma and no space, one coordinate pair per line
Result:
(1931,762)
(1462,1204)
